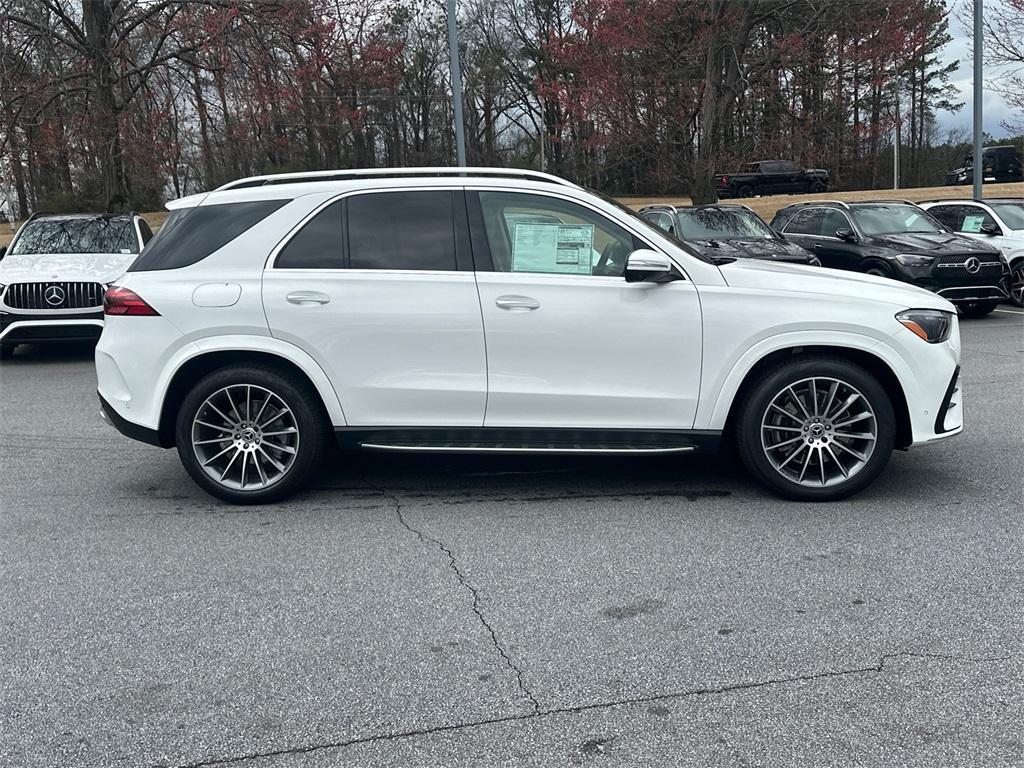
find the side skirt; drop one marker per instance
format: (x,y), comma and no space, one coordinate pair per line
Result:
(528,440)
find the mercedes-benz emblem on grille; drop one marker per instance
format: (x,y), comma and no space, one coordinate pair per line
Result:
(54,295)
(972,265)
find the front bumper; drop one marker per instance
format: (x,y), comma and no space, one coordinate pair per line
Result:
(44,327)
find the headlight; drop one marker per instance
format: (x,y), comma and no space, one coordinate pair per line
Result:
(932,325)
(915,260)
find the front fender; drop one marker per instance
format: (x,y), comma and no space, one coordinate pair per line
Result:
(713,410)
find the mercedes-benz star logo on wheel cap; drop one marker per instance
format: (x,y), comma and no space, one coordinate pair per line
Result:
(972,265)
(54,295)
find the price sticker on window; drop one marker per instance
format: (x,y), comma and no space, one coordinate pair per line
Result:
(566,249)
(972,224)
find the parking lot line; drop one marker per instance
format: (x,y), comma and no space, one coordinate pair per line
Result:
(1010,311)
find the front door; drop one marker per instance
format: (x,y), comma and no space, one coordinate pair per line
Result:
(378,288)
(569,342)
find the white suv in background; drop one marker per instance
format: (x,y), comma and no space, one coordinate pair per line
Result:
(999,222)
(503,311)
(54,273)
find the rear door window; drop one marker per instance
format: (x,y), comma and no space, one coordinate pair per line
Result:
(318,245)
(806,222)
(412,230)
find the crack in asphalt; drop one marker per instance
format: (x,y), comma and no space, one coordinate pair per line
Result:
(876,668)
(476,605)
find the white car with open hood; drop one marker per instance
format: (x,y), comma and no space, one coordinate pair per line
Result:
(503,311)
(54,273)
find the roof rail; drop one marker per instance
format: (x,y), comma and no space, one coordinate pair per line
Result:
(889,200)
(804,203)
(361,173)
(660,205)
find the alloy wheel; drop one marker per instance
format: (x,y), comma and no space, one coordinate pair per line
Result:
(245,437)
(1017,284)
(819,432)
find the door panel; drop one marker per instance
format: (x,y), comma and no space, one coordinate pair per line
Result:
(401,348)
(595,352)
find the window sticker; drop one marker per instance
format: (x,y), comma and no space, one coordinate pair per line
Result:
(972,224)
(554,248)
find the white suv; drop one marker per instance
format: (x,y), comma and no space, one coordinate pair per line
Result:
(53,275)
(503,311)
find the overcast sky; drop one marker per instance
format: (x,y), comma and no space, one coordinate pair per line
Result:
(995,110)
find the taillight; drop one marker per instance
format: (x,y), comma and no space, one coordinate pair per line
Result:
(724,182)
(121,301)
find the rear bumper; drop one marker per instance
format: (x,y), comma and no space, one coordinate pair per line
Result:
(128,428)
(16,328)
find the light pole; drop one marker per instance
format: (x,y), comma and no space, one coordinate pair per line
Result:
(456,70)
(979,161)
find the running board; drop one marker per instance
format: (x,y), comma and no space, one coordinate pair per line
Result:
(526,448)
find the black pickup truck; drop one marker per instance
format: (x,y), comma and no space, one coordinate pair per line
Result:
(771,177)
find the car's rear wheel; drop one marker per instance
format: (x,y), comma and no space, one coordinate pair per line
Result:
(745,191)
(816,429)
(251,435)
(978,309)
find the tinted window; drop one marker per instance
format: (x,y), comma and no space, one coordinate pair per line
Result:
(317,245)
(661,220)
(103,234)
(946,215)
(191,234)
(833,221)
(145,231)
(402,230)
(790,167)
(806,222)
(536,233)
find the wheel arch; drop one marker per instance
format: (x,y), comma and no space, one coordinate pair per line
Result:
(195,367)
(872,363)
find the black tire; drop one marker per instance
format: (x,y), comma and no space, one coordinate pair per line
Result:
(1017,284)
(7,351)
(745,191)
(773,382)
(818,188)
(311,437)
(880,270)
(977,309)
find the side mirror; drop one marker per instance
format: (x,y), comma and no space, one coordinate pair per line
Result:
(847,235)
(990,229)
(647,266)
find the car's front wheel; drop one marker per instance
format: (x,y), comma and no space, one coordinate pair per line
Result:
(816,428)
(1017,283)
(251,435)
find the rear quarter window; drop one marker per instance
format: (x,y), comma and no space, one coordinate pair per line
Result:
(190,235)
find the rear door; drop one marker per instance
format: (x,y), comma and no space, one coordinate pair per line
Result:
(569,342)
(378,288)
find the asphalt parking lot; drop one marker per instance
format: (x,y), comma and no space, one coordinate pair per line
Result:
(476,612)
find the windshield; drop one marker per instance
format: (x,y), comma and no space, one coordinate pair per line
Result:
(722,224)
(893,219)
(1012,214)
(79,235)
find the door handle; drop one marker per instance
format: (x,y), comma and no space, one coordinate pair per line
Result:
(517,303)
(307,298)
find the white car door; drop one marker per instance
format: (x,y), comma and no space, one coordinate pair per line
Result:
(569,342)
(378,288)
